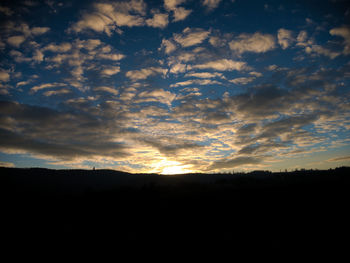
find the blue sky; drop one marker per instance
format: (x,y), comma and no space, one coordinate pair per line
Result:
(175,86)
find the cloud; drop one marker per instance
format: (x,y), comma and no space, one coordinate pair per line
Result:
(168,46)
(172,4)
(82,59)
(16,41)
(211,4)
(104,17)
(114,57)
(242,81)
(319,50)
(158,20)
(178,68)
(171,146)
(339,159)
(302,36)
(205,75)
(6,164)
(62,135)
(311,48)
(111,71)
(234,162)
(46,86)
(61,48)
(195,81)
(56,92)
(39,30)
(159,95)
(38,56)
(255,74)
(179,13)
(285,38)
(343,32)
(106,89)
(222,65)
(6,10)
(4,75)
(191,37)
(23,83)
(17,33)
(272,67)
(145,73)
(257,43)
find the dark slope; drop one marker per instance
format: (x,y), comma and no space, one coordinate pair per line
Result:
(259,212)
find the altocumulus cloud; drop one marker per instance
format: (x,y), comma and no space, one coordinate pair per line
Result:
(142,85)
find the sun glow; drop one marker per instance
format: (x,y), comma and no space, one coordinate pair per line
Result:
(172,167)
(175,170)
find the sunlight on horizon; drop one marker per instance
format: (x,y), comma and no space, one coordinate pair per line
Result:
(167,167)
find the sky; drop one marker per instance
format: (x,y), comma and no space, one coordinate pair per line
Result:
(175,86)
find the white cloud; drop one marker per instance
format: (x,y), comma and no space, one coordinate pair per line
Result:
(257,43)
(272,67)
(46,86)
(172,4)
(4,75)
(94,22)
(61,48)
(222,65)
(191,37)
(168,46)
(160,95)
(114,57)
(242,81)
(285,38)
(16,40)
(313,49)
(179,13)
(106,16)
(211,4)
(255,74)
(158,20)
(89,44)
(344,32)
(18,33)
(56,92)
(145,73)
(302,36)
(217,41)
(128,20)
(195,81)
(107,89)
(317,49)
(205,75)
(38,56)
(39,30)
(178,68)
(111,71)
(23,83)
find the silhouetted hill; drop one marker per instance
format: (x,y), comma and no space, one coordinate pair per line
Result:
(257,212)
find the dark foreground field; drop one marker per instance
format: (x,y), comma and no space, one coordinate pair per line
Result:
(251,214)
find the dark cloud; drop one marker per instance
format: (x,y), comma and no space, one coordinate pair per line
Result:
(234,162)
(171,146)
(63,135)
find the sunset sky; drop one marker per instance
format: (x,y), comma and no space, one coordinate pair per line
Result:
(175,86)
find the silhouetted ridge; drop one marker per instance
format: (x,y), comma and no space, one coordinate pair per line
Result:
(288,212)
